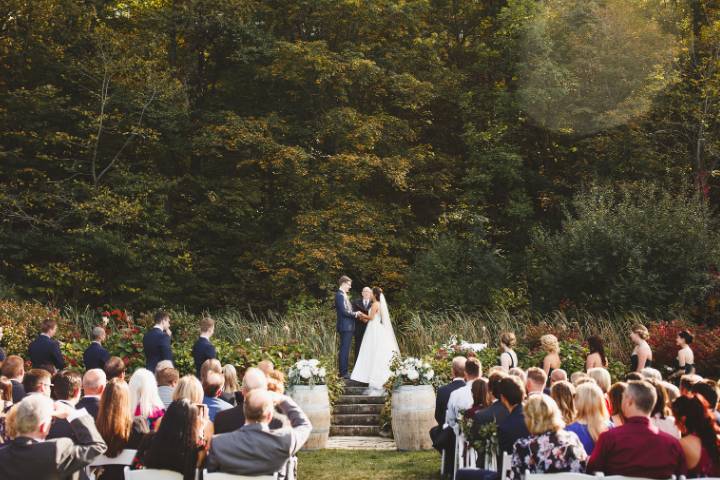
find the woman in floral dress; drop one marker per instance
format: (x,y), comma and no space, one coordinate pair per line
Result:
(549,448)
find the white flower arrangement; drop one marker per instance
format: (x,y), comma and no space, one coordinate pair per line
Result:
(307,372)
(412,371)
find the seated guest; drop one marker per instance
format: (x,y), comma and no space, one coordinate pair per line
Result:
(496,411)
(649,373)
(709,391)
(14,369)
(30,456)
(212,387)
(687,382)
(116,426)
(276,382)
(231,388)
(519,373)
(481,397)
(167,380)
(700,441)
(592,417)
(66,386)
(535,382)
(672,391)
(661,415)
(93,386)
(637,448)
(210,365)
(203,349)
(255,449)
(95,355)
(558,375)
(549,448)
(443,393)
(551,361)
(564,395)
(462,399)
(144,399)
(45,350)
(178,443)
(576,377)
(5,404)
(188,388)
(234,418)
(601,377)
(162,365)
(266,366)
(37,381)
(615,397)
(513,427)
(634,376)
(115,368)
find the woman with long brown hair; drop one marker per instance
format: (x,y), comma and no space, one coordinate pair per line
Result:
(700,441)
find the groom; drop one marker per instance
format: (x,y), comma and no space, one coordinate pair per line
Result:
(345,323)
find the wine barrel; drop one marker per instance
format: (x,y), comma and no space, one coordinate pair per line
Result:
(315,402)
(413,415)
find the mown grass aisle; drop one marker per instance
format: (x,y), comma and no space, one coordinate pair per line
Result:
(368,464)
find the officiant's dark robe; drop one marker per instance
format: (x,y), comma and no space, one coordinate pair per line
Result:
(360,326)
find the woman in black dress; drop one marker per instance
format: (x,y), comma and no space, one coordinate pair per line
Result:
(641,356)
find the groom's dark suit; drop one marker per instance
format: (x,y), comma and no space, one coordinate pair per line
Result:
(346,328)
(360,305)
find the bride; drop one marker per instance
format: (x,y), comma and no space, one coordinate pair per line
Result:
(378,347)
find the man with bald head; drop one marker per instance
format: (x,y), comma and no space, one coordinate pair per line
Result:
(255,449)
(234,418)
(93,384)
(361,305)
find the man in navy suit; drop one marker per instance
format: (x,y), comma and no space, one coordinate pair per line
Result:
(441,435)
(44,350)
(345,324)
(513,428)
(93,383)
(156,342)
(95,355)
(203,348)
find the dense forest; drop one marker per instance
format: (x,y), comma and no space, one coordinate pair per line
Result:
(459,153)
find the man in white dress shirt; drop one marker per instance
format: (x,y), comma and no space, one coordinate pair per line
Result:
(462,398)
(536,381)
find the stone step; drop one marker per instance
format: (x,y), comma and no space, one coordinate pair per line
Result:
(356,419)
(353,383)
(360,399)
(354,390)
(350,409)
(354,430)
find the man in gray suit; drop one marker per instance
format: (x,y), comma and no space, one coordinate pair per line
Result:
(254,449)
(31,456)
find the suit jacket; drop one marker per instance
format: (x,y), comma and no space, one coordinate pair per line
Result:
(18,392)
(95,356)
(255,449)
(442,399)
(46,351)
(345,315)
(61,428)
(91,404)
(511,429)
(25,458)
(234,418)
(496,412)
(359,306)
(201,351)
(156,345)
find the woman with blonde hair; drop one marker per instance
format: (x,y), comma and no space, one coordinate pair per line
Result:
(641,356)
(592,417)
(551,361)
(144,397)
(508,358)
(231,388)
(189,388)
(564,395)
(549,448)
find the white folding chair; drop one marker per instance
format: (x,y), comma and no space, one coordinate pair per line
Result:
(123,458)
(506,465)
(151,474)
(623,477)
(458,450)
(442,462)
(230,476)
(559,476)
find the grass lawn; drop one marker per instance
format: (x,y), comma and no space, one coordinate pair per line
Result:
(368,464)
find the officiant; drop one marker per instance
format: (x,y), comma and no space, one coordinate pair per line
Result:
(361,305)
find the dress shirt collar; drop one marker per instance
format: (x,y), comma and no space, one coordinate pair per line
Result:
(639,420)
(45,335)
(458,379)
(205,336)
(92,396)
(258,427)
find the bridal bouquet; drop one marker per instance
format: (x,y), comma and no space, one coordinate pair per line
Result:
(411,371)
(307,372)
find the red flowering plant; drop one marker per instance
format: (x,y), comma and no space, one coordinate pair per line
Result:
(705,346)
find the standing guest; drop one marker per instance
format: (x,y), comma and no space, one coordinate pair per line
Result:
(536,381)
(14,369)
(95,355)
(638,448)
(178,442)
(709,391)
(167,380)
(93,386)
(31,456)
(551,361)
(156,342)
(641,356)
(231,389)
(700,440)
(37,381)
(115,368)
(513,427)
(234,418)
(144,399)
(685,361)
(508,358)
(345,325)
(361,305)
(564,395)
(558,375)
(549,448)
(116,426)
(204,349)
(596,358)
(254,449)
(481,397)
(212,388)
(592,417)
(5,404)
(65,389)
(45,350)
(661,415)
(462,398)
(615,397)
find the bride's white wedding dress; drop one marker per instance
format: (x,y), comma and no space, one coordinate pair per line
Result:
(378,347)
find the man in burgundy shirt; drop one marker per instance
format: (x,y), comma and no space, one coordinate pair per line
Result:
(637,448)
